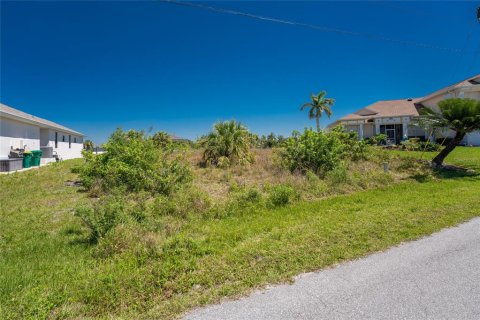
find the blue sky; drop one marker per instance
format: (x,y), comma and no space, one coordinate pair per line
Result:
(95,66)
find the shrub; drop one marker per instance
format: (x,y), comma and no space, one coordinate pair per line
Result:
(230,140)
(353,148)
(312,151)
(430,146)
(103,216)
(281,195)
(132,162)
(414,144)
(247,196)
(162,139)
(321,152)
(377,140)
(88,145)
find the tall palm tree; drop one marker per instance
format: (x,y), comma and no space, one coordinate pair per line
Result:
(317,106)
(459,115)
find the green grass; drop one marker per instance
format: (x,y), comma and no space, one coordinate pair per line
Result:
(467,157)
(47,270)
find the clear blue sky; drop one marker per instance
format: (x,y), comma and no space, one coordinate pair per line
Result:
(95,66)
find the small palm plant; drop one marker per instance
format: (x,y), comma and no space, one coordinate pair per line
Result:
(318,105)
(88,145)
(162,139)
(459,115)
(228,143)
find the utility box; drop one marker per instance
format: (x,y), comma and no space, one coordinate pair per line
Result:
(8,165)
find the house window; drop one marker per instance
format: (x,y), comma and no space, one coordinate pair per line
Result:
(63,138)
(69,141)
(75,139)
(56,139)
(461,95)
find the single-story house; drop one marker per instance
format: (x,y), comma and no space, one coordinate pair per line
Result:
(20,130)
(394,117)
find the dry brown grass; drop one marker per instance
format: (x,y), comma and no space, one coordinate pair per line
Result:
(266,171)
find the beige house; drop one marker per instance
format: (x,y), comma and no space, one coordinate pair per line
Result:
(394,117)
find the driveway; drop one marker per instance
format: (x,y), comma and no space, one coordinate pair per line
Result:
(437,277)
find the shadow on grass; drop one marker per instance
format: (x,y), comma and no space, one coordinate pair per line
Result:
(455,173)
(449,172)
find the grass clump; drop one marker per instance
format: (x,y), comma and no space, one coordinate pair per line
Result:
(281,195)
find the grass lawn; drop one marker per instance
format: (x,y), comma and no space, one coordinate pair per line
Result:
(47,270)
(467,157)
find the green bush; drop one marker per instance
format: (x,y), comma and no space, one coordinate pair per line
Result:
(281,195)
(133,162)
(321,152)
(228,144)
(162,140)
(103,216)
(311,151)
(414,144)
(430,146)
(353,148)
(377,140)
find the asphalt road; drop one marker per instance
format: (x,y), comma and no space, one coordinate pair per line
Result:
(437,277)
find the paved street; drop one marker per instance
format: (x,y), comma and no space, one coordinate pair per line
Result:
(434,278)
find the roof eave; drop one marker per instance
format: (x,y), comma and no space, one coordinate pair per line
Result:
(39,124)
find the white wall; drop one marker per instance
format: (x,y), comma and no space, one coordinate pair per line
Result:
(472,139)
(17,134)
(64,150)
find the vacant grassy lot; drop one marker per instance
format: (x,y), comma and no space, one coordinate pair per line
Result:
(48,270)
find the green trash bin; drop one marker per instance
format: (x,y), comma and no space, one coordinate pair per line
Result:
(36,155)
(27,159)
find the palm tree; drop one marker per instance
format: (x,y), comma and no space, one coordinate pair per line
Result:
(317,106)
(457,114)
(229,139)
(88,145)
(162,139)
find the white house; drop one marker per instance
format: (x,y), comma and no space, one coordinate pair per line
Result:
(22,130)
(394,117)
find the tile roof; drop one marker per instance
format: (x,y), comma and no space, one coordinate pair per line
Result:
(385,108)
(475,80)
(404,107)
(4,109)
(177,138)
